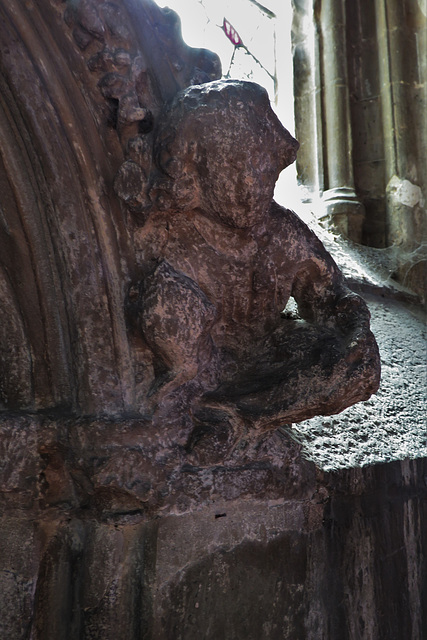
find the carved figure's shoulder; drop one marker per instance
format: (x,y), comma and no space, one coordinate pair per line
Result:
(287,220)
(287,229)
(297,239)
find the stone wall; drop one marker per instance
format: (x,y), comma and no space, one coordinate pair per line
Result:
(115,525)
(342,556)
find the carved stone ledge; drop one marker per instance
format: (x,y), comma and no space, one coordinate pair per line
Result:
(113,469)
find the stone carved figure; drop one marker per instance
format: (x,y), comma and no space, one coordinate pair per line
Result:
(167,301)
(219,261)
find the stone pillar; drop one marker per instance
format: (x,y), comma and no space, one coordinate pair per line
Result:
(400,144)
(341,203)
(401,36)
(307,97)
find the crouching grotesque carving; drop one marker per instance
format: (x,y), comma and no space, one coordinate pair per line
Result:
(219,260)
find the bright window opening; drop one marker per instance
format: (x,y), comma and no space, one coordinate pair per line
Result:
(253,41)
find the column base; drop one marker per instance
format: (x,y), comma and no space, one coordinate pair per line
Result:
(344,212)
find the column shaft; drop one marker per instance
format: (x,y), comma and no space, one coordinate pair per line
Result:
(341,202)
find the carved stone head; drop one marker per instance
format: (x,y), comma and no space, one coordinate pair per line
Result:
(222,148)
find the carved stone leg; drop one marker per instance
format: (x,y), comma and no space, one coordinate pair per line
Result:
(175,319)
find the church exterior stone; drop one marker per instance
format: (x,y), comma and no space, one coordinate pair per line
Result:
(151,366)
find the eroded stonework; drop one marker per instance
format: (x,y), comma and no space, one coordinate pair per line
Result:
(151,361)
(219,262)
(212,263)
(147,270)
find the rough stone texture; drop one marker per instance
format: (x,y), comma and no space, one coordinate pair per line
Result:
(391,424)
(70,97)
(295,561)
(170,306)
(214,244)
(144,489)
(344,558)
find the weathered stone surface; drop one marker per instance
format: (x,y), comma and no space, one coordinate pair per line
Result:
(146,491)
(345,560)
(219,261)
(392,424)
(66,116)
(284,574)
(171,307)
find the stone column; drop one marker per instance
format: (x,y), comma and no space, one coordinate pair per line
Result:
(307,97)
(401,36)
(341,203)
(397,79)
